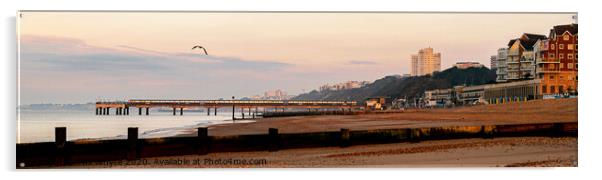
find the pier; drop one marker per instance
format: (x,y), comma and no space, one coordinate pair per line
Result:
(252,107)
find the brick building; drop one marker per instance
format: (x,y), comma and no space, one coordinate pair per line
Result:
(556,59)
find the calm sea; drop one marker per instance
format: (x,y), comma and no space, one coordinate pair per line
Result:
(38,125)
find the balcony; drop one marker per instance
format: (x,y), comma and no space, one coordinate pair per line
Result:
(548,61)
(547,70)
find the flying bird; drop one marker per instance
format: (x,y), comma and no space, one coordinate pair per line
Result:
(200,47)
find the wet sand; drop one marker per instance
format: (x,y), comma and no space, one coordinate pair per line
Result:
(498,152)
(538,111)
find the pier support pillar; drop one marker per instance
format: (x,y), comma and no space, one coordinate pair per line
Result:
(60,140)
(215,111)
(181,111)
(97,111)
(147,111)
(127,111)
(233,111)
(242,112)
(203,141)
(132,142)
(274,139)
(174,111)
(208,111)
(139,111)
(345,138)
(249,111)
(108,111)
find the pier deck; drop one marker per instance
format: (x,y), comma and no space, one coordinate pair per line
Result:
(122,107)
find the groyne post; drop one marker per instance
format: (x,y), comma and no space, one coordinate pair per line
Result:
(487,132)
(414,135)
(345,140)
(274,139)
(203,141)
(132,152)
(557,130)
(60,140)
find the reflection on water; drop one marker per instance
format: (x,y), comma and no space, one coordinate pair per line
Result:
(38,125)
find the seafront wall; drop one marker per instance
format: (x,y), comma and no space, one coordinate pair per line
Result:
(62,152)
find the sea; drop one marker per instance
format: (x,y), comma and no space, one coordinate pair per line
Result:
(39,125)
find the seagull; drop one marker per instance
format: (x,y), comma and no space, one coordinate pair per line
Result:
(200,47)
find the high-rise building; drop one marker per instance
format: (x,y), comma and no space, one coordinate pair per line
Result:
(493,62)
(501,71)
(425,62)
(556,59)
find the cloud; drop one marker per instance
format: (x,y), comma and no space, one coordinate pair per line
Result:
(358,62)
(55,69)
(66,54)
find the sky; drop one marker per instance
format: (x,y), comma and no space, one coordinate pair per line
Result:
(79,57)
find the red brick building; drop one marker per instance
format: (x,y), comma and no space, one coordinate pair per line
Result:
(556,60)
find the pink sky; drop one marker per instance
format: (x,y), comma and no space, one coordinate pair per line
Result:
(69,57)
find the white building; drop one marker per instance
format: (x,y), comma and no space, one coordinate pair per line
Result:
(502,65)
(466,65)
(344,85)
(493,62)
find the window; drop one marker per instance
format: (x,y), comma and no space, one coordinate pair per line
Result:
(569,65)
(570,46)
(552,77)
(544,89)
(552,89)
(551,46)
(569,56)
(561,46)
(551,66)
(565,37)
(561,66)
(561,78)
(560,89)
(561,56)
(552,56)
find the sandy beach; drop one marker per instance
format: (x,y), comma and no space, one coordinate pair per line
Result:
(537,111)
(498,152)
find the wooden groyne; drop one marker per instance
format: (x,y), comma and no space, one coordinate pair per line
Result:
(62,152)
